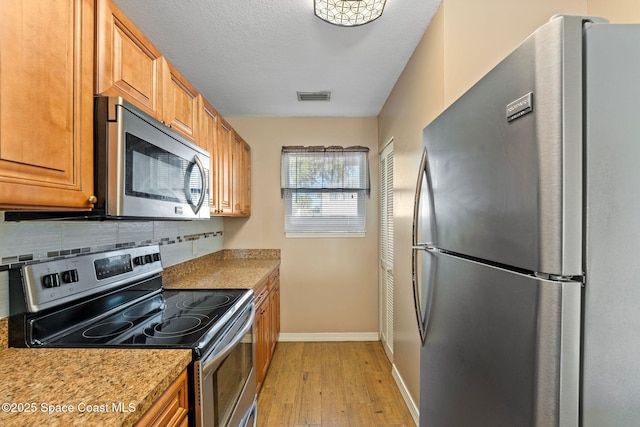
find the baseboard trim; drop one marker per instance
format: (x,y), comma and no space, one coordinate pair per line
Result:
(411,405)
(329,336)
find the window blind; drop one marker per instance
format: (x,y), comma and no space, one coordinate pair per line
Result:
(324,189)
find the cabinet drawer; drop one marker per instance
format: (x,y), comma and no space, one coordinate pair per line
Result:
(274,278)
(261,292)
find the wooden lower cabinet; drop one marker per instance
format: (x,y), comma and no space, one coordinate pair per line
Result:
(172,408)
(274,308)
(267,324)
(262,330)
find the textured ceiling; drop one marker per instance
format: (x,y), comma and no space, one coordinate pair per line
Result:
(249,57)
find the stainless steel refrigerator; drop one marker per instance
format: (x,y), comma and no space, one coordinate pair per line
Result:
(527,238)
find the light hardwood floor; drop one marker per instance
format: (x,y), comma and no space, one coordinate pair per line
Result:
(340,384)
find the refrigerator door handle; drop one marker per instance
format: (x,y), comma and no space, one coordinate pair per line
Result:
(424,179)
(425,247)
(422,292)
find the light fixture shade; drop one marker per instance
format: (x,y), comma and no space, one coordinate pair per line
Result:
(349,13)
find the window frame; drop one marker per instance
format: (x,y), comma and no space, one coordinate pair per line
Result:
(348,175)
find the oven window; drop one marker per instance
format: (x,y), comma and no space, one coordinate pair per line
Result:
(154,173)
(230,379)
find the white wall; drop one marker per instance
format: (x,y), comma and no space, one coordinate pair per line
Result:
(328,285)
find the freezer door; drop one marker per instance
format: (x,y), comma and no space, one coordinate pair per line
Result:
(506,158)
(501,349)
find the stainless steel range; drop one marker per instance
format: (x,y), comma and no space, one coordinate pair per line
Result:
(115,299)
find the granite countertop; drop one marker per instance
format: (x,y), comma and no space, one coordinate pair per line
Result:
(223,270)
(103,387)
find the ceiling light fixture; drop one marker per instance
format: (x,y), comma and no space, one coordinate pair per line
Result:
(349,13)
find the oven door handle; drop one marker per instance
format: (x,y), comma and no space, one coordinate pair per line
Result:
(212,364)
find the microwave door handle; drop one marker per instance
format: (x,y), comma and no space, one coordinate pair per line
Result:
(203,177)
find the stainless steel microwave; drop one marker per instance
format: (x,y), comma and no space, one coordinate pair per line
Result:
(142,170)
(149,171)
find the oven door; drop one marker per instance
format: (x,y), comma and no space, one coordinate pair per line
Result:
(153,172)
(225,379)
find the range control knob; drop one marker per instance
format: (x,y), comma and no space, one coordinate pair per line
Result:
(51,280)
(156,256)
(148,259)
(70,276)
(139,260)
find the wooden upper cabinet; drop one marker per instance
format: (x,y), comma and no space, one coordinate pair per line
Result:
(180,102)
(231,170)
(241,176)
(130,66)
(127,63)
(224,169)
(46,104)
(246,171)
(207,140)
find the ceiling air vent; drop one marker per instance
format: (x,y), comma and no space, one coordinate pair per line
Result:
(324,95)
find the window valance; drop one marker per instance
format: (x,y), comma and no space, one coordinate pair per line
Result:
(325,168)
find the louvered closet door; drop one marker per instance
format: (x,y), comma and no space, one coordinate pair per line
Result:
(386,248)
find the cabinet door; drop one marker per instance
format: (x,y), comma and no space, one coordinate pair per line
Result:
(207,140)
(274,308)
(224,170)
(180,102)
(245,179)
(127,64)
(46,104)
(241,176)
(262,326)
(266,334)
(171,408)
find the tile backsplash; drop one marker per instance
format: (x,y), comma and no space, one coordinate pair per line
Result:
(32,241)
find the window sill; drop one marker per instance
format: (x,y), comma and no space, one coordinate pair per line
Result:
(335,235)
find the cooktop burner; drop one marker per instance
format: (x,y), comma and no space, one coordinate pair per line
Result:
(190,301)
(107,329)
(173,318)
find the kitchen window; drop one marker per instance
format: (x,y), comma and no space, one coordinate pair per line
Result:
(324,189)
